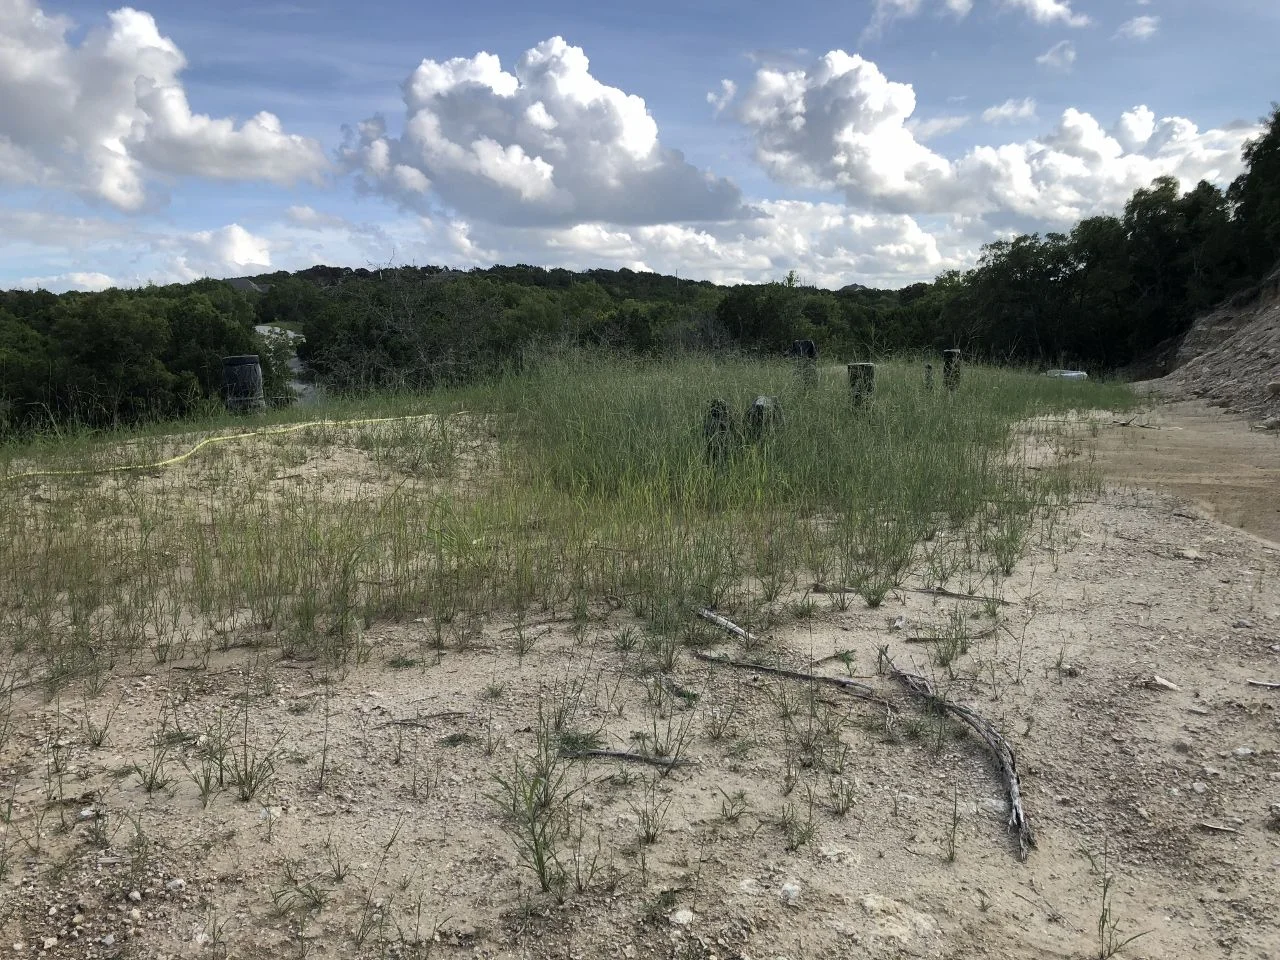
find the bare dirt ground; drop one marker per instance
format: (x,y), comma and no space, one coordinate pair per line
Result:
(379,836)
(1192,450)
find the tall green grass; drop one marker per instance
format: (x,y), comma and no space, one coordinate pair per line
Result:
(580,481)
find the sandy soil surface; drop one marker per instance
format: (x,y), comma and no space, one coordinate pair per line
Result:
(1213,459)
(379,835)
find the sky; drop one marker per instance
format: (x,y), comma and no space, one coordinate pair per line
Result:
(878,142)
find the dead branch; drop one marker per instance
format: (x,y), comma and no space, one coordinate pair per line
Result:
(1216,828)
(423,721)
(1156,682)
(1264,684)
(831,588)
(845,655)
(1140,426)
(851,687)
(952,595)
(724,623)
(997,744)
(927,591)
(984,635)
(627,756)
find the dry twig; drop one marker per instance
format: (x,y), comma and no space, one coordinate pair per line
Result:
(998,745)
(627,756)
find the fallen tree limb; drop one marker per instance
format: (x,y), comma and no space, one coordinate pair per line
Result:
(724,623)
(952,595)
(851,687)
(1216,828)
(627,756)
(831,588)
(996,743)
(423,721)
(920,687)
(1264,684)
(985,634)
(843,655)
(927,591)
(1130,423)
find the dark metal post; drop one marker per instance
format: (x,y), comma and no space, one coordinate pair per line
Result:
(718,429)
(862,382)
(805,353)
(951,368)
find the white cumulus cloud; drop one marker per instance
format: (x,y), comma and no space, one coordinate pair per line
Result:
(841,125)
(308,218)
(547,143)
(827,243)
(720,100)
(228,251)
(1058,57)
(1139,28)
(1047,12)
(937,126)
(1011,111)
(1050,11)
(105,115)
(63,282)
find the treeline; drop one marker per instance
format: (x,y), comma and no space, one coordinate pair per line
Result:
(1102,296)
(122,356)
(1115,289)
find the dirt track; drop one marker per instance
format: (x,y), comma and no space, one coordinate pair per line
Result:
(1191,450)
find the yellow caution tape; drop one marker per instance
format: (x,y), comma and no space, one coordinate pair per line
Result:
(206,442)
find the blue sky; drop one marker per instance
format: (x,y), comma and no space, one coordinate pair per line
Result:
(875,142)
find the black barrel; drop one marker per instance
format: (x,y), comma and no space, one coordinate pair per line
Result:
(242,383)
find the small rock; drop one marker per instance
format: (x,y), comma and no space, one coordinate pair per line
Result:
(1243,625)
(1242,753)
(135,896)
(49,943)
(682,917)
(1186,553)
(135,915)
(1211,771)
(176,885)
(1199,787)
(109,940)
(790,893)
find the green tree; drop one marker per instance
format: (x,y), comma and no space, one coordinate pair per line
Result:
(1255,200)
